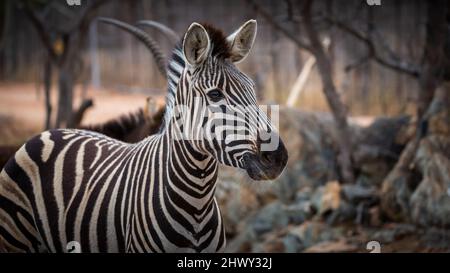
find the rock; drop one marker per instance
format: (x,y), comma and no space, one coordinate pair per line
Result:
(395,195)
(310,140)
(373,173)
(304,194)
(243,242)
(375,217)
(237,201)
(249,241)
(430,202)
(393,232)
(378,147)
(437,239)
(275,246)
(299,213)
(292,243)
(272,242)
(420,194)
(340,246)
(327,198)
(438,113)
(384,139)
(240,205)
(346,212)
(272,216)
(357,193)
(310,233)
(306,234)
(396,189)
(417,189)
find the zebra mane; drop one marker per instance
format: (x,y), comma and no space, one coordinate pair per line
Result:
(118,127)
(174,71)
(219,49)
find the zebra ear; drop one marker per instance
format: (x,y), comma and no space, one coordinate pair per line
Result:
(241,41)
(196,44)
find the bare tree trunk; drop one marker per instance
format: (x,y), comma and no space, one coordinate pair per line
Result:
(73,33)
(6,16)
(433,55)
(65,97)
(47,92)
(337,107)
(324,66)
(394,197)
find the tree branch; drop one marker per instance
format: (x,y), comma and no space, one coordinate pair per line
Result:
(87,15)
(81,27)
(334,101)
(41,29)
(300,43)
(393,63)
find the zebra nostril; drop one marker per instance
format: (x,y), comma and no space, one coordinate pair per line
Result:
(266,156)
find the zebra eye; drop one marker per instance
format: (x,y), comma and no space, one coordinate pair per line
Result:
(215,95)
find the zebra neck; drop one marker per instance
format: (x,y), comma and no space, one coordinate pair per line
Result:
(191,176)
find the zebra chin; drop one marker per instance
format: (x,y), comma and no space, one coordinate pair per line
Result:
(266,165)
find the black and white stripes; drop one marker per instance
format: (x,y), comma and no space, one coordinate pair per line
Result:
(156,195)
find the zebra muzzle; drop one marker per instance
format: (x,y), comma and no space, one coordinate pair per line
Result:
(266,165)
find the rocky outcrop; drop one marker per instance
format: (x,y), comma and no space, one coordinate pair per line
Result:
(430,202)
(311,142)
(418,188)
(308,210)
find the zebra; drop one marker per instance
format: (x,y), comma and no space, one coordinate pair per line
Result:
(156,195)
(132,127)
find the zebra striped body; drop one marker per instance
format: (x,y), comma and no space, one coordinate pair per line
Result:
(107,198)
(105,195)
(156,195)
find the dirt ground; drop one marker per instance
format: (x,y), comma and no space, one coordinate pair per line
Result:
(22,111)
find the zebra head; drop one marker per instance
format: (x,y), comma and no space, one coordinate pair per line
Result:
(219,113)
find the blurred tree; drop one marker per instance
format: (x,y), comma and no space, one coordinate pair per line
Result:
(313,45)
(5,13)
(62,30)
(431,72)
